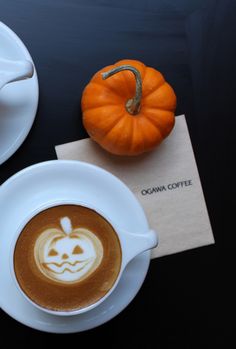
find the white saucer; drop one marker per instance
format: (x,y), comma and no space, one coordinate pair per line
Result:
(18,100)
(68,180)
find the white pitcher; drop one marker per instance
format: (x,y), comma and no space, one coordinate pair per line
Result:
(11,71)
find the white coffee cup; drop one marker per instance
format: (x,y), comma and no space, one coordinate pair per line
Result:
(11,71)
(131,246)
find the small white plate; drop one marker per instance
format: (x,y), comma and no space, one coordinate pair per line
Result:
(67,180)
(18,100)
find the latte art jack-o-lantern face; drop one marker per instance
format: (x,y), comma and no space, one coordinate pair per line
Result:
(67,255)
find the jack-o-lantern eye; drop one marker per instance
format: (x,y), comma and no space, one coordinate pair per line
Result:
(52,252)
(77,250)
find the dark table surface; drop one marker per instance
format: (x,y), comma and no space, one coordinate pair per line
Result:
(188,295)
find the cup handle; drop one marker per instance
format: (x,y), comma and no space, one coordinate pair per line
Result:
(134,244)
(11,71)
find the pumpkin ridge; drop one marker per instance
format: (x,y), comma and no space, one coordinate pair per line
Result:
(102,134)
(153,123)
(122,76)
(162,108)
(143,137)
(132,135)
(149,141)
(157,87)
(159,126)
(98,83)
(101,106)
(144,142)
(146,108)
(166,108)
(115,124)
(144,73)
(125,79)
(107,87)
(126,82)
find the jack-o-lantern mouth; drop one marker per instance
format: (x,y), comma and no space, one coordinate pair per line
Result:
(60,268)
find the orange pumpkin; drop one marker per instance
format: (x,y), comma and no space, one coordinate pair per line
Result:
(128,108)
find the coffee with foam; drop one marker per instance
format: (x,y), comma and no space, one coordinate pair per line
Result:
(67,257)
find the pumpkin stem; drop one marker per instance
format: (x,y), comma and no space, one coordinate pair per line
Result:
(133,104)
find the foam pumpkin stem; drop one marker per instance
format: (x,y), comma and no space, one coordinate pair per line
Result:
(128,108)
